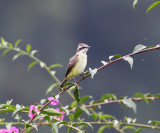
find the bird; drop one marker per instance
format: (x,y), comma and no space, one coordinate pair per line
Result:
(77,63)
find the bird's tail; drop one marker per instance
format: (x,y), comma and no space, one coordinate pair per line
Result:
(63,83)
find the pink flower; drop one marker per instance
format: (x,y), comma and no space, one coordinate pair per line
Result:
(4,130)
(54,102)
(31,114)
(14,130)
(62,116)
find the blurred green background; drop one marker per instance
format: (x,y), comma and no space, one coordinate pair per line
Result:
(55,27)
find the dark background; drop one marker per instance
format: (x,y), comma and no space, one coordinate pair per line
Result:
(55,27)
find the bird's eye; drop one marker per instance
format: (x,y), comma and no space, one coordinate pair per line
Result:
(82,48)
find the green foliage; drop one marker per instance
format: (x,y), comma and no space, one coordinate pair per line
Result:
(5,52)
(32,125)
(31,65)
(108,96)
(50,89)
(84,99)
(153,5)
(86,124)
(51,112)
(17,43)
(135,3)
(138,130)
(54,65)
(76,94)
(19,108)
(28,48)
(16,56)
(101,129)
(106,116)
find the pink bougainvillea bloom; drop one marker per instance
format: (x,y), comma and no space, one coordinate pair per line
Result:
(14,130)
(4,130)
(62,116)
(31,114)
(54,102)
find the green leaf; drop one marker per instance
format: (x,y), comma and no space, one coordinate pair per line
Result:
(77,113)
(94,116)
(51,88)
(152,6)
(85,110)
(54,65)
(17,43)
(157,95)
(71,117)
(129,60)
(138,130)
(84,98)
(62,122)
(117,56)
(51,112)
(108,96)
(86,123)
(155,123)
(128,127)
(130,104)
(86,73)
(10,45)
(5,52)
(8,109)
(139,47)
(2,121)
(134,3)
(76,95)
(106,117)
(18,109)
(139,95)
(28,48)
(28,130)
(32,125)
(16,56)
(7,104)
(101,129)
(69,130)
(31,65)
(3,42)
(74,104)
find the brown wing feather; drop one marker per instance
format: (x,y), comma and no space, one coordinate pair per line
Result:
(71,64)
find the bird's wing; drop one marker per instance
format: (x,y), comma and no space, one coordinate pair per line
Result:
(71,64)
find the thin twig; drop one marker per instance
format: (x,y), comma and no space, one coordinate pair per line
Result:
(119,101)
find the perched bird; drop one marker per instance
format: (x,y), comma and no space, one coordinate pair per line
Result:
(77,63)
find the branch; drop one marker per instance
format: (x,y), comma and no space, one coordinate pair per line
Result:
(123,123)
(85,76)
(119,101)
